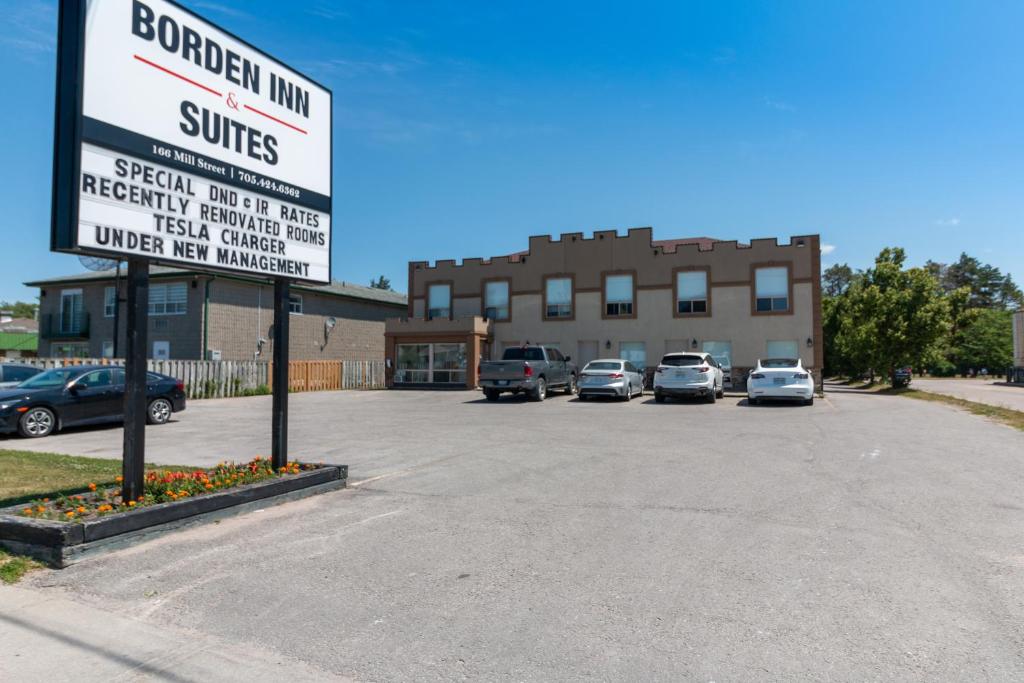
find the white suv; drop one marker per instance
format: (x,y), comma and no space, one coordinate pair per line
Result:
(688,374)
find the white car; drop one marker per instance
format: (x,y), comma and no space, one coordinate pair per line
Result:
(610,377)
(688,374)
(781,378)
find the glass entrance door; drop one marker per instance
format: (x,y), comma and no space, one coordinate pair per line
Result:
(431,364)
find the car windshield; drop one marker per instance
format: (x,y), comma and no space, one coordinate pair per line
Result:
(779,363)
(604,365)
(682,361)
(57,377)
(524,353)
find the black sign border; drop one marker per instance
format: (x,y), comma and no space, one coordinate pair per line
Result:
(67,144)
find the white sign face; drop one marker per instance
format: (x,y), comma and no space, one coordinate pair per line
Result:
(197,149)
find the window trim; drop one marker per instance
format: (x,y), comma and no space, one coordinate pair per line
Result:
(754,267)
(302,304)
(451,298)
(604,294)
(707,291)
(544,297)
(483,298)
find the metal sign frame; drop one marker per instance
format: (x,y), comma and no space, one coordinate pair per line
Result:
(68,138)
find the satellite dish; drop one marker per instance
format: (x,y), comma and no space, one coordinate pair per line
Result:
(97,263)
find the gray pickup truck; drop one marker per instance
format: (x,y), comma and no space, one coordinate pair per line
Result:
(530,370)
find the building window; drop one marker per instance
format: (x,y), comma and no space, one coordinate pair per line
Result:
(109,302)
(634,352)
(107,351)
(721,351)
(782,349)
(431,364)
(558,298)
(772,289)
(439,301)
(618,295)
(69,350)
(295,304)
(168,299)
(72,313)
(692,292)
(496,306)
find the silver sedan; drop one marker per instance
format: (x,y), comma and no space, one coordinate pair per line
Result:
(611,377)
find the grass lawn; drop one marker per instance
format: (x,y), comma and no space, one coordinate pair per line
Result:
(13,567)
(25,475)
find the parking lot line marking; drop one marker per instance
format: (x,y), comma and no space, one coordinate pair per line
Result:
(407,470)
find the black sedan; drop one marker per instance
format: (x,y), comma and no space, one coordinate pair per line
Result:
(82,395)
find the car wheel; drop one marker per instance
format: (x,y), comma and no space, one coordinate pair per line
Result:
(37,423)
(710,396)
(751,400)
(541,391)
(159,411)
(809,402)
(721,391)
(571,388)
(491,394)
(658,398)
(584,397)
(629,393)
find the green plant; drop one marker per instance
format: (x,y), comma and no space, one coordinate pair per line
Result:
(13,567)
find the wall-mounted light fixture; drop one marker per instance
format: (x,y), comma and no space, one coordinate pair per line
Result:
(693,343)
(329,324)
(810,342)
(608,344)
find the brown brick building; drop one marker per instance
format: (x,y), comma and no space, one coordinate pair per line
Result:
(193,315)
(611,295)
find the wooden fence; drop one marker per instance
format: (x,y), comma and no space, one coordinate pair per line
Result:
(228,378)
(332,375)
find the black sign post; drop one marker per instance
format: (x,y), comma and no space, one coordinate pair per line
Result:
(133,463)
(279,410)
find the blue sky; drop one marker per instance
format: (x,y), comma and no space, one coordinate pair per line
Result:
(461,128)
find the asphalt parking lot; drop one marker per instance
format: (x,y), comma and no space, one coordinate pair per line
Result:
(865,538)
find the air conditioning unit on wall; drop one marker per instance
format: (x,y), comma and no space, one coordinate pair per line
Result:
(213,354)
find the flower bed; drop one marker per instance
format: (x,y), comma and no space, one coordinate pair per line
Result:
(159,487)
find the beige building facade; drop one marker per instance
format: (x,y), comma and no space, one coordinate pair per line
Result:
(623,296)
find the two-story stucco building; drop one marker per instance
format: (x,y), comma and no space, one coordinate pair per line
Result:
(610,295)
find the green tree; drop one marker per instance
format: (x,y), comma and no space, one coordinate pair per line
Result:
(381,283)
(984,340)
(988,286)
(891,317)
(836,280)
(20,309)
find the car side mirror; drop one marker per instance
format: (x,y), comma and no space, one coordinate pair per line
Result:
(74,387)
(568,359)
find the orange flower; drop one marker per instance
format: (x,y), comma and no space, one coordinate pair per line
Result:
(27,511)
(119,479)
(131,503)
(46,500)
(92,487)
(69,514)
(81,510)
(41,509)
